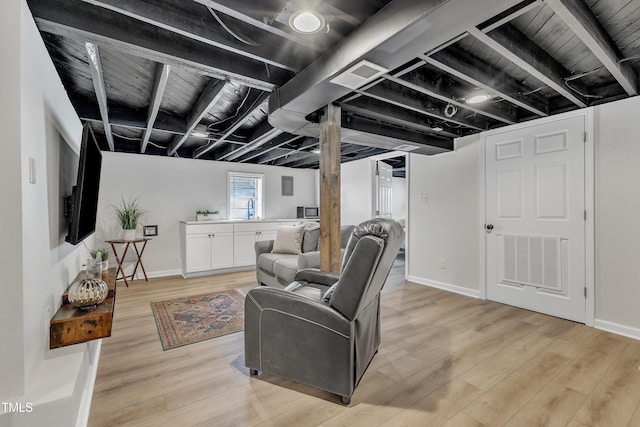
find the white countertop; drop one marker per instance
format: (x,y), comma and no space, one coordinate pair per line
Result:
(242,221)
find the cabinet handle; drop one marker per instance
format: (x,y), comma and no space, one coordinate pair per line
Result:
(213,235)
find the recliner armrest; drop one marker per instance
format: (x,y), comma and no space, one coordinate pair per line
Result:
(315,275)
(281,301)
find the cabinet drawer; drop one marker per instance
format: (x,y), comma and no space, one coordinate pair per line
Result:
(256,226)
(209,228)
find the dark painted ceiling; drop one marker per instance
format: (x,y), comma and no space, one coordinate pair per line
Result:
(230,80)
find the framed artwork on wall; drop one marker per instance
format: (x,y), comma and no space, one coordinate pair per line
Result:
(150,230)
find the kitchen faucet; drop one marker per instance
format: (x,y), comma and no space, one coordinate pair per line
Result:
(251,204)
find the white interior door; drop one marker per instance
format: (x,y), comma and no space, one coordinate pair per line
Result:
(535,217)
(384,201)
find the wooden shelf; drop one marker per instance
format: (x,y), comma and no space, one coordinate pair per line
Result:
(71,325)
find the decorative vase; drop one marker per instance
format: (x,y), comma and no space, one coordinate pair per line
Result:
(105,264)
(87,293)
(129,234)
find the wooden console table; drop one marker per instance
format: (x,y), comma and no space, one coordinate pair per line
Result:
(71,325)
(120,275)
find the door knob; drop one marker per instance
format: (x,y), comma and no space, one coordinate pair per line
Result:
(489,227)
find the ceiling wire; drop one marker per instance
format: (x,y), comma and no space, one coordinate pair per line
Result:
(578,76)
(235,114)
(230,31)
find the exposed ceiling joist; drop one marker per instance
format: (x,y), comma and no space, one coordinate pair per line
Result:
(244,113)
(389,137)
(585,25)
(450,94)
(159,85)
(277,142)
(296,156)
(172,17)
(95,67)
(382,111)
(265,137)
(472,70)
(387,93)
(517,48)
(510,14)
(79,21)
(252,17)
(209,97)
(279,153)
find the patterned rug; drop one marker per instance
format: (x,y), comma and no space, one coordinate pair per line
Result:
(196,318)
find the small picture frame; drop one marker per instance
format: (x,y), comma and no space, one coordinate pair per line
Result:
(150,230)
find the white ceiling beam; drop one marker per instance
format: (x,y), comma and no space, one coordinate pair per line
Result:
(95,68)
(159,85)
(585,25)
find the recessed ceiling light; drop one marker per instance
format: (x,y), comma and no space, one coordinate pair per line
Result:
(199,134)
(437,129)
(306,21)
(478,97)
(316,151)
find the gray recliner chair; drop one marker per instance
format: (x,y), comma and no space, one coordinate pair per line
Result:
(323,329)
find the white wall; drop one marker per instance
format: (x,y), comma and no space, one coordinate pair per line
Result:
(12,366)
(171,190)
(617,219)
(443,218)
(35,112)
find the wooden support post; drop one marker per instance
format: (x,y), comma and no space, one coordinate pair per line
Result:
(330,189)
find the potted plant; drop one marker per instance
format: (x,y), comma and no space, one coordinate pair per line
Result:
(102,254)
(207,215)
(128,215)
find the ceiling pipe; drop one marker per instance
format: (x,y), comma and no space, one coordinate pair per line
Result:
(400,32)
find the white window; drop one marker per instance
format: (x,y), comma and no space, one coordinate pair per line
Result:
(246,195)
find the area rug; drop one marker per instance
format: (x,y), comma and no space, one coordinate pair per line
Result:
(196,318)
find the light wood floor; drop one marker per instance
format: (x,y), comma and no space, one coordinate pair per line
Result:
(445,360)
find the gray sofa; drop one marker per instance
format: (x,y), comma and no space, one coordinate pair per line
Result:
(279,270)
(324,329)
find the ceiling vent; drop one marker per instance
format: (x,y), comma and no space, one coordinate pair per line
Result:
(406,147)
(361,73)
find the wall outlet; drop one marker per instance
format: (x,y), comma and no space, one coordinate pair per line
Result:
(443,263)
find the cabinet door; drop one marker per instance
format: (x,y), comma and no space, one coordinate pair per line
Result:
(244,252)
(198,253)
(221,250)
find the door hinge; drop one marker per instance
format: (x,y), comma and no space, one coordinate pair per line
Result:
(585,214)
(585,292)
(585,137)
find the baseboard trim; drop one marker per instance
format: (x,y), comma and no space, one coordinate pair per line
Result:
(87,394)
(154,274)
(618,329)
(473,293)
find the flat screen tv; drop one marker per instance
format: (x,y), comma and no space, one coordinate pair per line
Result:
(82,205)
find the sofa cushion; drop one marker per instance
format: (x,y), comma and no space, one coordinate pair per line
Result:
(286,268)
(310,237)
(265,261)
(288,239)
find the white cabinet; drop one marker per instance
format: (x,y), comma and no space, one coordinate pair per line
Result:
(206,247)
(245,237)
(209,246)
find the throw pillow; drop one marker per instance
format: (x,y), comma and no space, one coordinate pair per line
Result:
(288,239)
(310,237)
